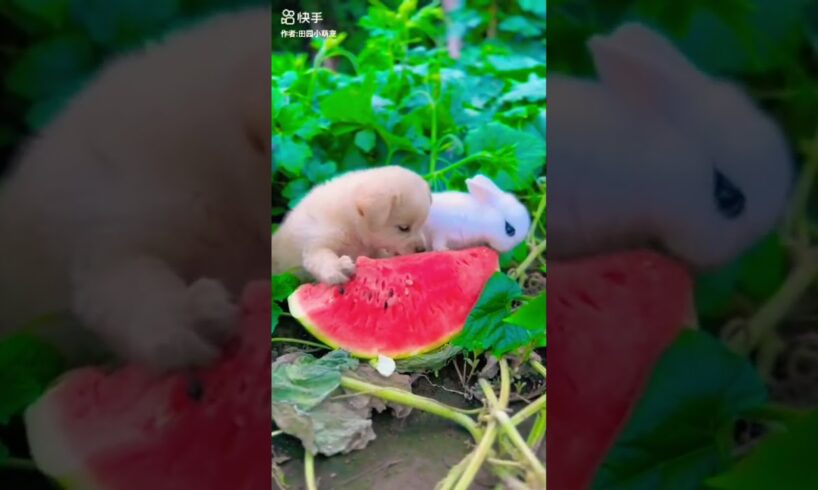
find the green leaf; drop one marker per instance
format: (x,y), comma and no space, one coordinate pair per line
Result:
(307,381)
(352,104)
(430,361)
(51,68)
(283,285)
(290,154)
(275,314)
(714,291)
(295,190)
(782,461)
(680,431)
(520,155)
(124,23)
(317,171)
(536,7)
(365,140)
(485,329)
(4,453)
(515,255)
(27,366)
(532,90)
(514,62)
(531,316)
(53,13)
(520,25)
(763,268)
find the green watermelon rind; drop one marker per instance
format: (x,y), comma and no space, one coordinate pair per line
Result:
(297,311)
(52,455)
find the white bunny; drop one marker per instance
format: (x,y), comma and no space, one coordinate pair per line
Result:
(658,153)
(486,215)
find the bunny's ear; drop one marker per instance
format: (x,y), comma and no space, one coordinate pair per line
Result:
(482,188)
(643,67)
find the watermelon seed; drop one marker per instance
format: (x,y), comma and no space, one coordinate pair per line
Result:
(341,290)
(391,292)
(385,305)
(195,390)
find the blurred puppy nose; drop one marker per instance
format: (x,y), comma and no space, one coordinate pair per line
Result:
(420,248)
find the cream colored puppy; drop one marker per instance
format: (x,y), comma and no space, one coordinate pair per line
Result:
(143,207)
(375,212)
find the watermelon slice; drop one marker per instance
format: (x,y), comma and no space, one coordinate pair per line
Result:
(397,307)
(129,430)
(609,320)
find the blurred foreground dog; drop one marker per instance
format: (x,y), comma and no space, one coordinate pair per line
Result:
(143,207)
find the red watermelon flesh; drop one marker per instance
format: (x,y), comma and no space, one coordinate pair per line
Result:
(397,307)
(609,320)
(130,430)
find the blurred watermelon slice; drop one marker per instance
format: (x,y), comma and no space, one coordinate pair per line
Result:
(130,430)
(609,320)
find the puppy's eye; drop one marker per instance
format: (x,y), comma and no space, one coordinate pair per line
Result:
(510,231)
(404,228)
(729,199)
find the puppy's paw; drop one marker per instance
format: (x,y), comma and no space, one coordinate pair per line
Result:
(337,272)
(212,313)
(172,346)
(347,265)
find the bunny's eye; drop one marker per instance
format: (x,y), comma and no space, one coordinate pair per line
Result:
(404,228)
(729,198)
(510,229)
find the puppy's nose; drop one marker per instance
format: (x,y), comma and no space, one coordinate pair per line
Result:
(420,248)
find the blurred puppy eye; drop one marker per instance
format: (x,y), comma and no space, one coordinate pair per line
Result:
(729,198)
(510,229)
(404,228)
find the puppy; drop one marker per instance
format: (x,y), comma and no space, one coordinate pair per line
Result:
(143,207)
(374,213)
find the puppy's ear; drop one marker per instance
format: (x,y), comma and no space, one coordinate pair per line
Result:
(375,207)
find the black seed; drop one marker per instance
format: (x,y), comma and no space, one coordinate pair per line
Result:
(341,290)
(385,305)
(391,293)
(195,390)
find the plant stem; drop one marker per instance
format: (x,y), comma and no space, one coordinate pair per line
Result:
(415,401)
(345,54)
(498,412)
(316,63)
(519,271)
(529,410)
(479,455)
(276,433)
(518,441)
(537,431)
(477,156)
(537,216)
(766,318)
(289,340)
(505,383)
(433,142)
(537,365)
(309,470)
(454,474)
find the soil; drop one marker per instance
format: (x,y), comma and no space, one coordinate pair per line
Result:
(415,452)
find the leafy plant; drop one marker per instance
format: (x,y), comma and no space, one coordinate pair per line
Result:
(387,91)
